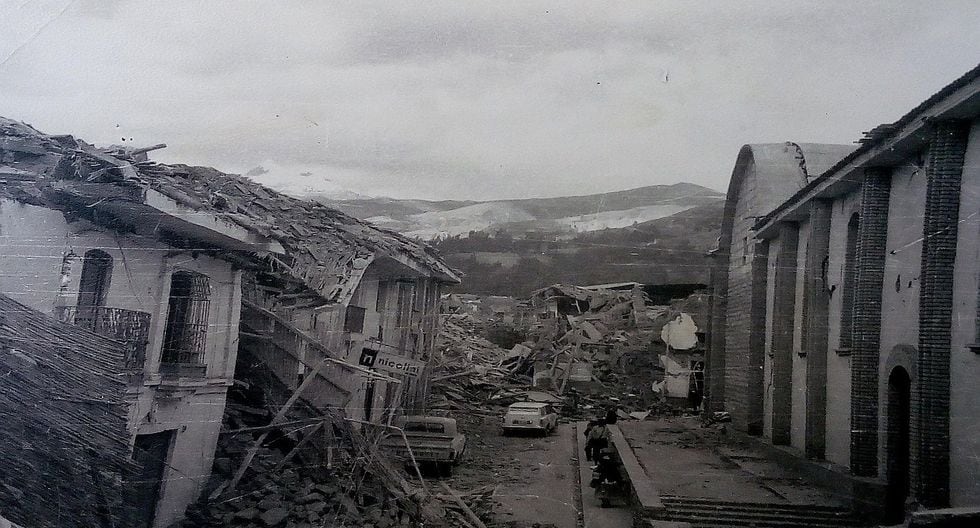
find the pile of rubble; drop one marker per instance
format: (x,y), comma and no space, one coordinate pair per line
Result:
(466,368)
(305,473)
(315,469)
(588,348)
(594,345)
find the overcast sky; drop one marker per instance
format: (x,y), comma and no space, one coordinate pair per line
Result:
(474,100)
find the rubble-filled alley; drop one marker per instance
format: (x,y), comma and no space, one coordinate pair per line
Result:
(313,469)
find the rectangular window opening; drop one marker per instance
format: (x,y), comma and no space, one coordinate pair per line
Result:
(188,308)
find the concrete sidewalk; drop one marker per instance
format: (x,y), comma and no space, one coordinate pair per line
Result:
(684,460)
(682,472)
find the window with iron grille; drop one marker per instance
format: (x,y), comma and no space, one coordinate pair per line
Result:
(187,319)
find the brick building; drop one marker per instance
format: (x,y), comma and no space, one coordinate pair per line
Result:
(850,311)
(764,176)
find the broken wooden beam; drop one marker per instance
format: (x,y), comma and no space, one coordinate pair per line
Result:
(466,509)
(252,451)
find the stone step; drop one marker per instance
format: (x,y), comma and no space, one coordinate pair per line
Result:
(718,522)
(761,506)
(736,518)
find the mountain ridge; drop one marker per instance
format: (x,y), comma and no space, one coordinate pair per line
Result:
(433,219)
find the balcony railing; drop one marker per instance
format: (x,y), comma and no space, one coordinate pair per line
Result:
(128,326)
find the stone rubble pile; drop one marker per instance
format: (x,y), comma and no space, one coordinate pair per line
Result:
(588,348)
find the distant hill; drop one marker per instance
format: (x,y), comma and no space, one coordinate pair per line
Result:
(566,215)
(666,250)
(657,234)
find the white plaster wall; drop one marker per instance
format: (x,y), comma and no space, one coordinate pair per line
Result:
(37,244)
(964,412)
(196,419)
(900,291)
(37,241)
(798,405)
(33,242)
(838,432)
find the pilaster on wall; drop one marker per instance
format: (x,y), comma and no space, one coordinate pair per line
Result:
(715,358)
(755,376)
(866,320)
(930,398)
(783,317)
(817,301)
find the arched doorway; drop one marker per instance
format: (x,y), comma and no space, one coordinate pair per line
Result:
(899,413)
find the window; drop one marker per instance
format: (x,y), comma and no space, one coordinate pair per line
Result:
(368,400)
(354,320)
(382,307)
(424,427)
(850,275)
(187,319)
(96,273)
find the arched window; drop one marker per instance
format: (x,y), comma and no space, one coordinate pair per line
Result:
(850,276)
(96,274)
(187,319)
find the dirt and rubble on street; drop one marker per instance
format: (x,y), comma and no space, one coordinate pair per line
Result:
(314,468)
(586,351)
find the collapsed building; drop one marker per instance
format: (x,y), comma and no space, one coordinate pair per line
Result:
(845,313)
(600,345)
(189,268)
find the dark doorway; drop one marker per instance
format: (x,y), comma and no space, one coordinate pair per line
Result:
(151,453)
(899,412)
(368,400)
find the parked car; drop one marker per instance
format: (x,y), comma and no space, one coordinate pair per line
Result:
(530,416)
(434,441)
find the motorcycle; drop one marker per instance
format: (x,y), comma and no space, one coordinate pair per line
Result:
(607,479)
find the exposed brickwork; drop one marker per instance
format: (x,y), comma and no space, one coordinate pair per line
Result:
(866,320)
(817,300)
(755,365)
(783,317)
(930,398)
(739,370)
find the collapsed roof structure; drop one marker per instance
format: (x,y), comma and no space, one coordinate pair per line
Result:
(63,420)
(299,241)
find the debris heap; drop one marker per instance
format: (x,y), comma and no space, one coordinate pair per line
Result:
(312,468)
(587,348)
(466,368)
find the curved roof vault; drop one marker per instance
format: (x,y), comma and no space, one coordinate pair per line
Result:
(780,170)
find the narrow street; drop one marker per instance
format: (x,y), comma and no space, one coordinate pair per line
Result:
(535,476)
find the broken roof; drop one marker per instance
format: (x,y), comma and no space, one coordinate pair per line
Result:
(325,249)
(781,169)
(65,447)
